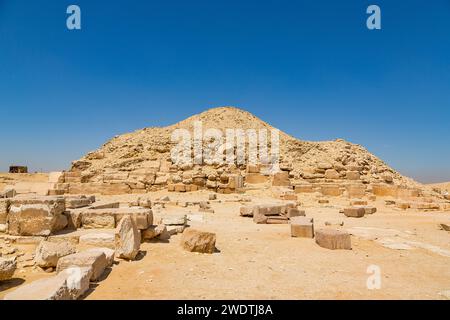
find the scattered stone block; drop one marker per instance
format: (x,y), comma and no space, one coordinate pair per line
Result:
(172,230)
(48,253)
(198,241)
(154,231)
(174,219)
(212,196)
(96,261)
(302,227)
(127,239)
(246,211)
(333,239)
(369,209)
(323,201)
(258,216)
(354,212)
(104,205)
(444,226)
(7,268)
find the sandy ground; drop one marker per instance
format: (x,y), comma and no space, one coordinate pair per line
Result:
(264,262)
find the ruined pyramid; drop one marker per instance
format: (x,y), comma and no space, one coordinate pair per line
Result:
(141,161)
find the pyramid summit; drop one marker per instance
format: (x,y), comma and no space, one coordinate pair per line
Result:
(141,162)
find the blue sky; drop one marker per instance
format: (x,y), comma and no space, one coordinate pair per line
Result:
(310,68)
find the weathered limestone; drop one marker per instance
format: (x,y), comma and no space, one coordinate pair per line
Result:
(78,202)
(7,268)
(258,216)
(352,175)
(385,190)
(73,218)
(109,254)
(294,212)
(100,239)
(281,179)
(127,239)
(143,218)
(198,241)
(154,231)
(331,174)
(98,219)
(354,212)
(246,211)
(8,193)
(174,219)
(333,239)
(331,190)
(369,209)
(48,253)
(35,217)
(304,188)
(256,178)
(105,205)
(302,227)
(4,208)
(96,261)
(69,284)
(355,190)
(277,220)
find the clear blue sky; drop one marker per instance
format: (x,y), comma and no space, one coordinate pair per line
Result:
(310,68)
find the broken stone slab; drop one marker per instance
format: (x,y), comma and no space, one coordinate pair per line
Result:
(172,230)
(127,239)
(69,284)
(154,231)
(48,253)
(294,212)
(258,217)
(100,239)
(109,253)
(302,227)
(354,212)
(96,261)
(198,241)
(333,239)
(7,268)
(174,219)
(270,209)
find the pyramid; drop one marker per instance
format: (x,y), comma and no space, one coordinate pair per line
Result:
(140,161)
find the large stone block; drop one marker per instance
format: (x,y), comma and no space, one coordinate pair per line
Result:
(294,212)
(69,284)
(302,227)
(246,211)
(127,239)
(352,175)
(96,261)
(333,239)
(7,268)
(34,219)
(174,219)
(355,190)
(48,253)
(198,241)
(354,212)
